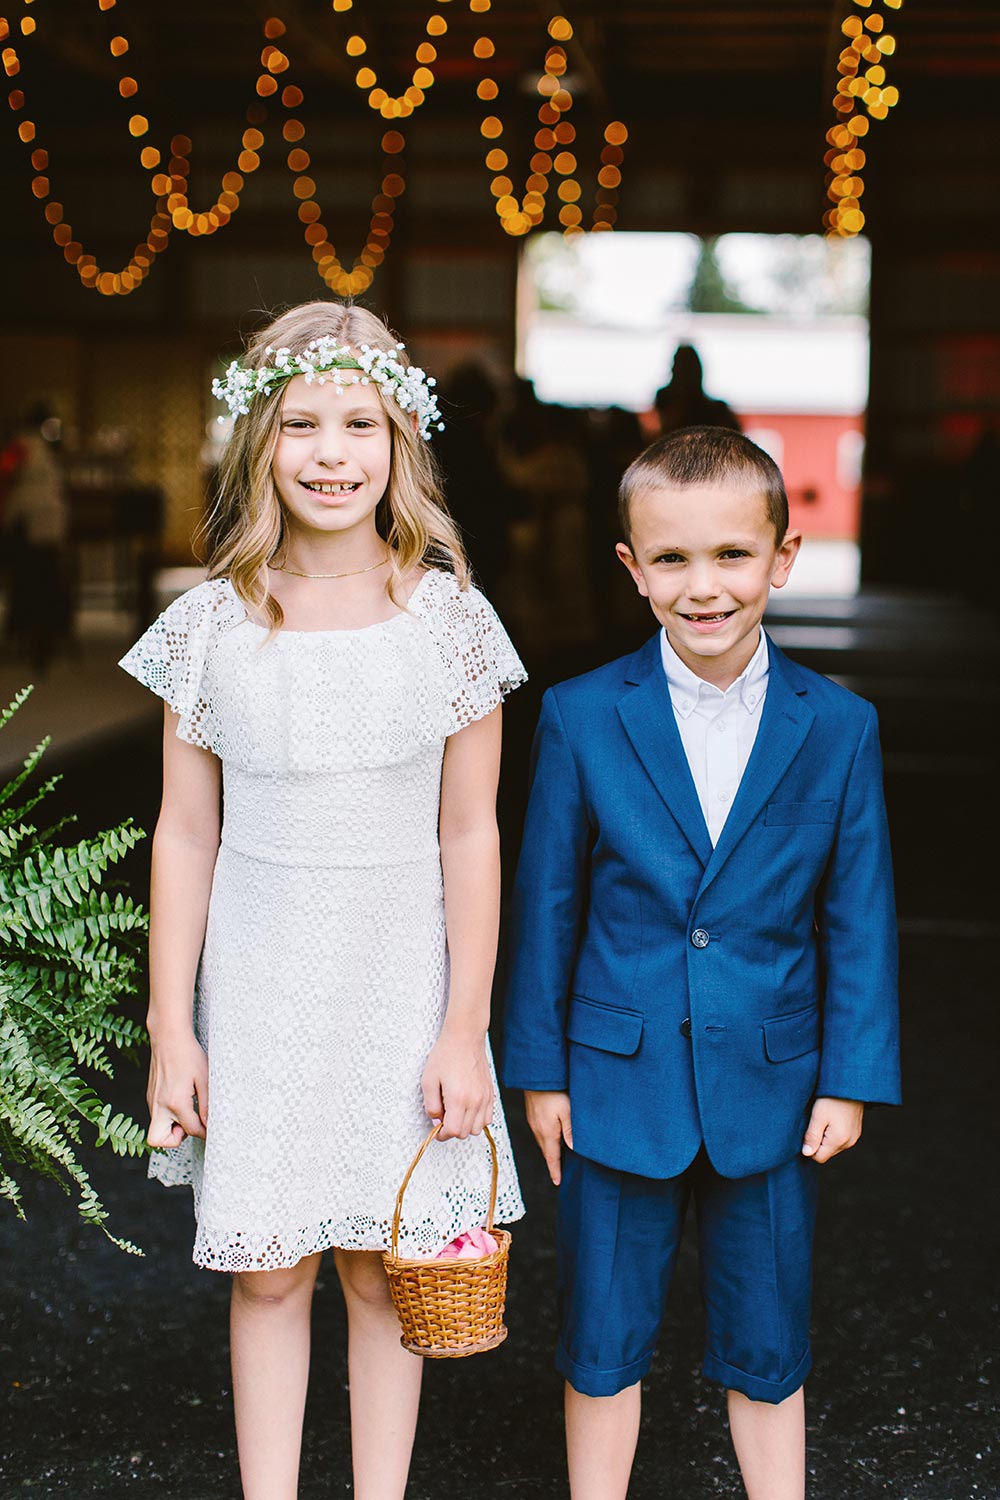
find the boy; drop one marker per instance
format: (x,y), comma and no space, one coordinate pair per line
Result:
(703,984)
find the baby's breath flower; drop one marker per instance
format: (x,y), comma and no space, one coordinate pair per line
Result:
(408,385)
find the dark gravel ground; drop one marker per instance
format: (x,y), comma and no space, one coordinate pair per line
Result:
(114,1371)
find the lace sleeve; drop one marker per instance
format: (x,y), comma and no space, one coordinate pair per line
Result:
(170,657)
(481,665)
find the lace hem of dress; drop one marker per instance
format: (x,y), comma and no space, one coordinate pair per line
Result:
(272,1252)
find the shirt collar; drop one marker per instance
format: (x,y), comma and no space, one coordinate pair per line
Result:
(687,689)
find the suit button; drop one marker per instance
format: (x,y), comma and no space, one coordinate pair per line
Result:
(686,1026)
(700,937)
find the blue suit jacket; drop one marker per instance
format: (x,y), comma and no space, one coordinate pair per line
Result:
(684,994)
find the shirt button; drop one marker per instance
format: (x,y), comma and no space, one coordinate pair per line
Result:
(700,938)
(720,726)
(686,706)
(751,699)
(685,1027)
(723,796)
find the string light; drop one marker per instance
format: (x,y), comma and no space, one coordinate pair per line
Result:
(136,269)
(345,282)
(861,96)
(553,139)
(391,106)
(168,177)
(169,187)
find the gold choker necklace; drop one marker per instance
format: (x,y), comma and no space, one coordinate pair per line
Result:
(354,573)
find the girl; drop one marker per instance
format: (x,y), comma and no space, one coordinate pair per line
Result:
(338,934)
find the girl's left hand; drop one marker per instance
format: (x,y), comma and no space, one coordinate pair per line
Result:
(457,1086)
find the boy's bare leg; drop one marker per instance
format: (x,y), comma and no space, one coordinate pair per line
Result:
(770,1443)
(601,1434)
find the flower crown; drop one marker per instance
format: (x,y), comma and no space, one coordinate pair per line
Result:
(407,385)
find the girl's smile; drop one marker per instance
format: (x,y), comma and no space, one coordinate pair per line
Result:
(331,486)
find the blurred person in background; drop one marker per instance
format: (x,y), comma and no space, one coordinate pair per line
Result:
(615,438)
(683,402)
(35,529)
(478,496)
(543,457)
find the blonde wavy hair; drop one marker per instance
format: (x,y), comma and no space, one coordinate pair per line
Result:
(245,527)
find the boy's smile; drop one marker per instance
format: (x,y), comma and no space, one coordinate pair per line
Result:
(706,558)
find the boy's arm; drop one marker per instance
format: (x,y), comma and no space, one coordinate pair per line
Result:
(548,906)
(856,916)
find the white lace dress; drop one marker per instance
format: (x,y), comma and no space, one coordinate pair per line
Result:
(322,983)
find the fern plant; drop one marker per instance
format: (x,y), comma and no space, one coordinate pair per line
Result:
(68,953)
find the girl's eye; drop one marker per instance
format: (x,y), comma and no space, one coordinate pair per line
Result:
(296,424)
(362,423)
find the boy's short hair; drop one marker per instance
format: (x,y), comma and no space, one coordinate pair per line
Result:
(704,455)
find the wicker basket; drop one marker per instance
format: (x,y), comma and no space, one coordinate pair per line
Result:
(449,1308)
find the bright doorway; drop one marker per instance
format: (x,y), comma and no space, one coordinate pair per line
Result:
(780,323)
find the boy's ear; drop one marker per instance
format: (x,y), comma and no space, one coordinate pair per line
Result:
(785,557)
(624,553)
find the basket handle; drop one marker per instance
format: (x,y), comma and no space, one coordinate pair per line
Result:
(412,1168)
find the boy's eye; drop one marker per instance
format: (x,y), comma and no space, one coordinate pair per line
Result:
(735,552)
(669,557)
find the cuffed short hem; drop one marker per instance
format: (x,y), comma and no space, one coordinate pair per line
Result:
(752,1386)
(591,1382)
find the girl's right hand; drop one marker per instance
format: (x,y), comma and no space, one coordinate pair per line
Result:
(177,1094)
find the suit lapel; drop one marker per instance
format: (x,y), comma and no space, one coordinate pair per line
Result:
(648,719)
(785,721)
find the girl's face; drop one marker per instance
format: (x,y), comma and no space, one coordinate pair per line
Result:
(331,462)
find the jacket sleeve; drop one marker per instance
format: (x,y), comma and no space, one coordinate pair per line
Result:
(856,917)
(548,907)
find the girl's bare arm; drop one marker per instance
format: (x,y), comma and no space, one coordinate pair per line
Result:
(456,1081)
(185,847)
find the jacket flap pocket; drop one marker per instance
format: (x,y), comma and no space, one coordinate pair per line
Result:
(786,813)
(786,1037)
(604,1026)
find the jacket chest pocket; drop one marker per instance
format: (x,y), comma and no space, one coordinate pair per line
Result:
(793,814)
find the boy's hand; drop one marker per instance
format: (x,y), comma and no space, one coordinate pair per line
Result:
(834,1126)
(549,1118)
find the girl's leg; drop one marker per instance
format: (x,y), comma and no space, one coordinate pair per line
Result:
(601,1434)
(770,1443)
(269,1342)
(384,1378)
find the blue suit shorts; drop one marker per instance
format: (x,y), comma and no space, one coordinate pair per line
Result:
(618,1236)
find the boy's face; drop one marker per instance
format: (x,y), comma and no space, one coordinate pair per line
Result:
(706,558)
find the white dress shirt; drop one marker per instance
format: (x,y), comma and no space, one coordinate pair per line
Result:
(717,728)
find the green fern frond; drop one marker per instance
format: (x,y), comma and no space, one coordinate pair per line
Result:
(19,700)
(10,1190)
(68,954)
(14,786)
